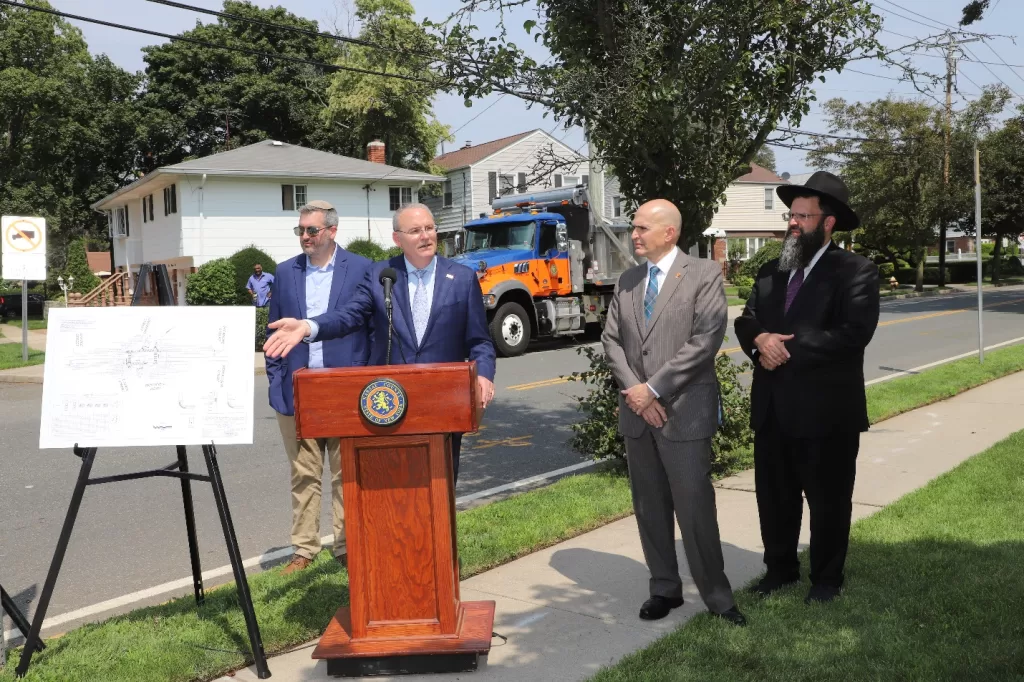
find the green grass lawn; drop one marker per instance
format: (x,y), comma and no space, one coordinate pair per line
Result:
(732,291)
(10,356)
(933,592)
(896,396)
(177,642)
(735,300)
(33,322)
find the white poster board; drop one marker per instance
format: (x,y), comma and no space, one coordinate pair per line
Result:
(148,375)
(23,247)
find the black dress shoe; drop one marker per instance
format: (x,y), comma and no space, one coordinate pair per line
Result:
(733,615)
(657,607)
(773,583)
(822,594)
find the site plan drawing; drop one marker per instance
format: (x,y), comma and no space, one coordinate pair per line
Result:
(148,375)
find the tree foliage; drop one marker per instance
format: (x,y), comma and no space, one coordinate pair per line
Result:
(765,158)
(890,154)
(68,126)
(1002,186)
(77,266)
(398,112)
(677,96)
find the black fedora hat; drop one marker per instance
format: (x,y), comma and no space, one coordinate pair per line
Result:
(824,184)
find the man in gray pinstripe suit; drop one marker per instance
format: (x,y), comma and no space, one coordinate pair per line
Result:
(666,322)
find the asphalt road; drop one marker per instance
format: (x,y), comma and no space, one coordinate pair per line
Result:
(130,536)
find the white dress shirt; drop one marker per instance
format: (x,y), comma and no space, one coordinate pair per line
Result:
(663,267)
(814,260)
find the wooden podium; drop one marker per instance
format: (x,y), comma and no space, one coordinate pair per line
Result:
(405,614)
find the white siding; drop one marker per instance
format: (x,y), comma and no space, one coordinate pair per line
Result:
(460,212)
(612,190)
(237,212)
(744,210)
(520,157)
(162,235)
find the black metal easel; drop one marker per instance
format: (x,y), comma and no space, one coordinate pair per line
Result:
(20,621)
(179,470)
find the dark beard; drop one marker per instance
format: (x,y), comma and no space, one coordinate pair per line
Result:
(798,251)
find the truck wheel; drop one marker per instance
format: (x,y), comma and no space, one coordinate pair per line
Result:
(510,330)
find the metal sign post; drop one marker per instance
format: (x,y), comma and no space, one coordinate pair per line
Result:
(23,243)
(977,241)
(24,320)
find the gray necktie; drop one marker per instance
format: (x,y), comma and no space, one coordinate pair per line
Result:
(420,306)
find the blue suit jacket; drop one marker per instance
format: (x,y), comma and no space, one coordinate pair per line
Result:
(456,331)
(289,300)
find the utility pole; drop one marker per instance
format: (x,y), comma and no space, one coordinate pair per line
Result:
(977,238)
(951,52)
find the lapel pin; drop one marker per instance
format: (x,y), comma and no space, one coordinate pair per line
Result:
(678,275)
(450,276)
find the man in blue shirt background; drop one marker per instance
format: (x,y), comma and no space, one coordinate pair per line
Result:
(259,286)
(312,283)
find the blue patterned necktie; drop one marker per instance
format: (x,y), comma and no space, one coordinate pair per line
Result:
(652,293)
(420,308)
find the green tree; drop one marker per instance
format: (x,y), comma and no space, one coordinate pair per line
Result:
(196,97)
(765,158)
(398,112)
(677,96)
(1002,186)
(77,266)
(68,126)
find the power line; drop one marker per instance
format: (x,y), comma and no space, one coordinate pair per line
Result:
(917,14)
(875,75)
(993,74)
(993,51)
(203,43)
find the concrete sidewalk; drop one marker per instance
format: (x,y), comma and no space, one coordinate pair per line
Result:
(572,608)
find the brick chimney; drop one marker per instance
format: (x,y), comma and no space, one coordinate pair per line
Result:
(375,151)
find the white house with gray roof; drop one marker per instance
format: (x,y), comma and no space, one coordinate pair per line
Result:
(193,212)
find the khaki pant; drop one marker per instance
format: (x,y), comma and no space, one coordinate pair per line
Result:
(307,465)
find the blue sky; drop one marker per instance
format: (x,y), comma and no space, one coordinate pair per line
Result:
(919,18)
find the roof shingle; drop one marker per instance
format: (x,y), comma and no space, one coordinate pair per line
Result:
(467,156)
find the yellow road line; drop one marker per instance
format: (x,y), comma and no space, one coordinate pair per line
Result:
(729,351)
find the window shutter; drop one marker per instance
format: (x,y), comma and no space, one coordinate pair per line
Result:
(287,198)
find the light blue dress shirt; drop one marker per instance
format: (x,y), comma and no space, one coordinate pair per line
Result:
(318,298)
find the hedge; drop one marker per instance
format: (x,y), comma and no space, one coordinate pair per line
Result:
(244,261)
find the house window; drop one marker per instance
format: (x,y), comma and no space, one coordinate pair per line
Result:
(558,179)
(492,186)
(950,246)
(117,221)
(754,245)
(293,197)
(616,207)
(507,186)
(769,199)
(170,200)
(399,197)
(586,180)
(570,180)
(521,184)
(447,193)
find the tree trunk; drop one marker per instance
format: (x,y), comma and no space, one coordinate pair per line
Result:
(922,257)
(997,255)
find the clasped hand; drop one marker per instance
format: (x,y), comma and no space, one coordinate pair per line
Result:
(771,349)
(641,400)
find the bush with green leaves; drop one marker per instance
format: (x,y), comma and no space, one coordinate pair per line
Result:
(366,248)
(244,261)
(886,270)
(212,284)
(77,266)
(744,292)
(770,251)
(262,315)
(598,434)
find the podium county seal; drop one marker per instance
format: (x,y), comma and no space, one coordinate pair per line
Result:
(383,402)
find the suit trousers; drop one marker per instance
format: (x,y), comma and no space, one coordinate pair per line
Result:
(307,472)
(824,470)
(672,476)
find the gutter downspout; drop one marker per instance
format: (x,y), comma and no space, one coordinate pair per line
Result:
(369,233)
(202,207)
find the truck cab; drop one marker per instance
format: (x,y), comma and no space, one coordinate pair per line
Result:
(536,259)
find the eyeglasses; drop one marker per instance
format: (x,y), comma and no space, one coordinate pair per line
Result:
(800,217)
(429,229)
(311,231)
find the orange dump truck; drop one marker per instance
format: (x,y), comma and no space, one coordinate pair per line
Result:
(547,266)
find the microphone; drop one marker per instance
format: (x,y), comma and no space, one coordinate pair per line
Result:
(387,279)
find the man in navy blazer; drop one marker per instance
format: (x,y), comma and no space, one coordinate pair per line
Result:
(438,311)
(323,277)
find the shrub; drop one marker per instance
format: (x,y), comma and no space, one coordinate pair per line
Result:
(212,284)
(392,252)
(243,261)
(261,327)
(743,281)
(770,251)
(886,270)
(744,292)
(367,249)
(77,266)
(598,434)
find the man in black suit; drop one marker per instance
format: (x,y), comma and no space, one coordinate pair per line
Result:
(806,324)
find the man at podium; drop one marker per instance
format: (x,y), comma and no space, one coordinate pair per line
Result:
(438,311)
